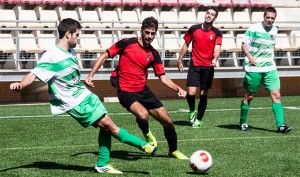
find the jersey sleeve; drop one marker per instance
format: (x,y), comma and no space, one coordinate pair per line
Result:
(44,69)
(117,48)
(157,64)
(247,36)
(188,36)
(219,38)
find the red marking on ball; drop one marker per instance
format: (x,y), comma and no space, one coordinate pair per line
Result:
(204,157)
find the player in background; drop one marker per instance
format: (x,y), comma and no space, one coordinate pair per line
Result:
(130,77)
(258,46)
(207,42)
(58,67)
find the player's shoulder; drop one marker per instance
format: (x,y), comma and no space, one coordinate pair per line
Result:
(50,53)
(194,28)
(126,41)
(154,52)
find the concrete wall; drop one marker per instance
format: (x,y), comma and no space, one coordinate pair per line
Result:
(221,88)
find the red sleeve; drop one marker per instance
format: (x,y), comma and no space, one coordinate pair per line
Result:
(112,51)
(118,46)
(188,37)
(219,40)
(157,63)
(159,69)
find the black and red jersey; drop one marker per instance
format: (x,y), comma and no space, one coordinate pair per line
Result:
(203,44)
(134,62)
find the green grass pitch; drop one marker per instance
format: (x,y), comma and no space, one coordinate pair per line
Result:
(35,144)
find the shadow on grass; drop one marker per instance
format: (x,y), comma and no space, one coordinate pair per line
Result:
(181,123)
(59,166)
(237,127)
(194,173)
(51,166)
(123,155)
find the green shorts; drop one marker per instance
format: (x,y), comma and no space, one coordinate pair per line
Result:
(88,111)
(253,80)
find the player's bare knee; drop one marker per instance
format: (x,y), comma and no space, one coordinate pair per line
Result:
(168,123)
(249,96)
(192,93)
(276,98)
(143,116)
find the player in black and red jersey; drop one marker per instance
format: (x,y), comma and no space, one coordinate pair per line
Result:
(207,41)
(136,56)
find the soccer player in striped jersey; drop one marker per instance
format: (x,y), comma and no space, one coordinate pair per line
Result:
(59,68)
(258,46)
(206,40)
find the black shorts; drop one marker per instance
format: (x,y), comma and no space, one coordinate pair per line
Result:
(145,97)
(200,76)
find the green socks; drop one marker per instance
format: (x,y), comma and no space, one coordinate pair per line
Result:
(105,144)
(104,141)
(277,109)
(132,140)
(279,113)
(244,113)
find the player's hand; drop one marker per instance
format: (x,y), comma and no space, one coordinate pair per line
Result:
(252,61)
(15,86)
(89,82)
(214,63)
(181,93)
(180,66)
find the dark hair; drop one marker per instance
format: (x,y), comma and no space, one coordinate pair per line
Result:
(213,8)
(270,9)
(150,22)
(68,24)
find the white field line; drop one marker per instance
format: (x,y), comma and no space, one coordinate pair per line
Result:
(126,113)
(185,140)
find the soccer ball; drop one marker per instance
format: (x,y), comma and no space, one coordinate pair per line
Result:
(200,161)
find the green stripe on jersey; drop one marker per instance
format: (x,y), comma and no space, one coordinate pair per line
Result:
(78,92)
(258,35)
(262,46)
(70,76)
(262,54)
(51,89)
(56,102)
(260,65)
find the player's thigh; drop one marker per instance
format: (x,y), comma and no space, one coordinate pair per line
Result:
(88,111)
(139,111)
(271,80)
(206,77)
(149,100)
(252,81)
(162,116)
(126,99)
(193,77)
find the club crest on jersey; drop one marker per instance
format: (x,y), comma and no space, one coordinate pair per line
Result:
(148,58)
(272,37)
(211,37)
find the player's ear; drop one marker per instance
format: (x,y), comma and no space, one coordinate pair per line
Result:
(67,34)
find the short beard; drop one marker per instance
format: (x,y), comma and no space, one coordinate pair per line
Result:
(72,46)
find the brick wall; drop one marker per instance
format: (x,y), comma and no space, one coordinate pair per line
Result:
(37,92)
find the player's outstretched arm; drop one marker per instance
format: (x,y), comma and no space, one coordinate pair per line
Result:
(27,80)
(169,83)
(98,64)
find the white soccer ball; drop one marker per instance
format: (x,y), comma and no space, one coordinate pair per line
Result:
(200,161)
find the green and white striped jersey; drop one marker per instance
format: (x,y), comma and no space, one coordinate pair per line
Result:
(60,70)
(261,45)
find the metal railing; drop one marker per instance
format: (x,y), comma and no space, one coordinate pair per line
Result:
(19,58)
